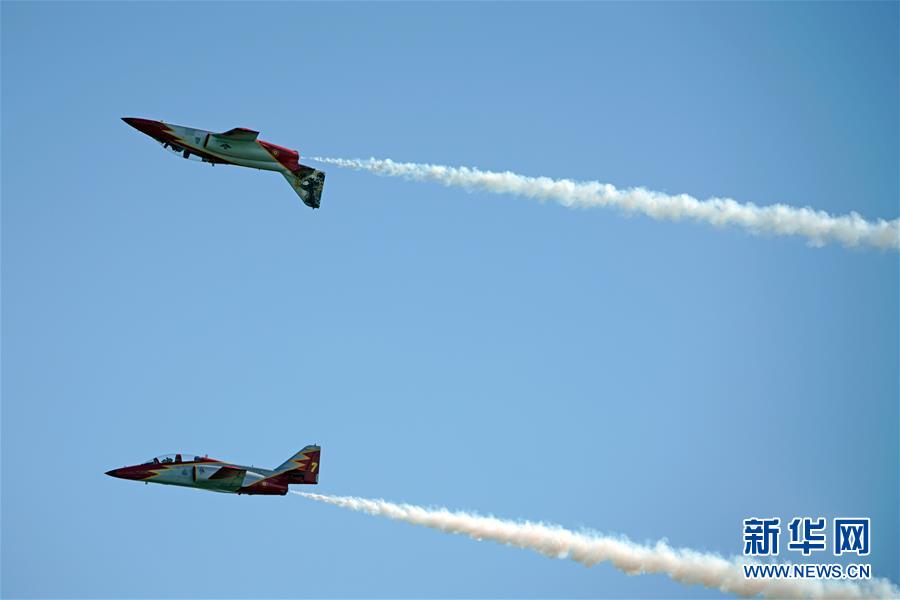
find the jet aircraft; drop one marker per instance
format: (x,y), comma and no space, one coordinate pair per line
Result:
(238,146)
(217,476)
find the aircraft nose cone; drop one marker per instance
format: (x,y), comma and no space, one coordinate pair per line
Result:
(120,473)
(147,126)
(135,472)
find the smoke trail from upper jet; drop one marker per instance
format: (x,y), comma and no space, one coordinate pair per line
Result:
(817,226)
(684,566)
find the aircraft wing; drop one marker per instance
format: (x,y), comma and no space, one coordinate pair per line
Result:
(239,134)
(228,473)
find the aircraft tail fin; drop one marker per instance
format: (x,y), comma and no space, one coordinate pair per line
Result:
(303,467)
(308,184)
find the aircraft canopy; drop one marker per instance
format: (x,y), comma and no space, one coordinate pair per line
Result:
(173,458)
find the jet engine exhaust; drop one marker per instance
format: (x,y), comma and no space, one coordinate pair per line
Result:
(817,226)
(587,548)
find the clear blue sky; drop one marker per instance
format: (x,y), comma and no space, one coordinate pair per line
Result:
(480,352)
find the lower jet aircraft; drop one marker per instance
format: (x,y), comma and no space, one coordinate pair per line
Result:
(238,146)
(217,476)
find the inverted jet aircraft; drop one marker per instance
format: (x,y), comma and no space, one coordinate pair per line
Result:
(218,476)
(238,146)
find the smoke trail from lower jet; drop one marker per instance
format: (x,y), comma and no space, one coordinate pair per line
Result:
(817,226)
(684,566)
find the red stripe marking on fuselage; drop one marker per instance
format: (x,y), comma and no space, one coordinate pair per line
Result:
(288,158)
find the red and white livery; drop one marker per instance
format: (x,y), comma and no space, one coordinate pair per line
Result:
(238,146)
(206,473)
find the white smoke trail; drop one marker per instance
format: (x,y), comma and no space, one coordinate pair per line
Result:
(817,226)
(684,566)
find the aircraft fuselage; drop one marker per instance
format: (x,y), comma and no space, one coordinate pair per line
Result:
(240,147)
(217,476)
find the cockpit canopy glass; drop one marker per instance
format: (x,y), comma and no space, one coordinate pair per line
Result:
(172,458)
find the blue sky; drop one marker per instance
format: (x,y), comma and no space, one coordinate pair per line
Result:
(651,379)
